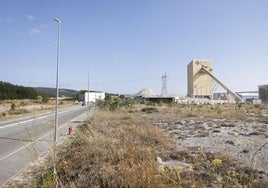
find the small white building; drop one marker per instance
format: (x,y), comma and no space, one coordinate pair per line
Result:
(249,96)
(93,96)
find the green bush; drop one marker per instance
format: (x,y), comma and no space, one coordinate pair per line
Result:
(13,107)
(45,97)
(23,103)
(47,180)
(113,104)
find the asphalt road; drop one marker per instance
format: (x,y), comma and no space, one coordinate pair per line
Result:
(24,140)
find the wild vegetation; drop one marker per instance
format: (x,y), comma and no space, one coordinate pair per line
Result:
(10,91)
(118,147)
(112,103)
(11,108)
(15,111)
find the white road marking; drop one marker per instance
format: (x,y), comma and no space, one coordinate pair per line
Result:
(42,117)
(38,139)
(15,151)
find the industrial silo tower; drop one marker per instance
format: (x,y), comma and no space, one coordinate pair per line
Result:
(200,83)
(263,93)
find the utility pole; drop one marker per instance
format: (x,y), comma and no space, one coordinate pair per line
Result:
(164,84)
(87,92)
(95,95)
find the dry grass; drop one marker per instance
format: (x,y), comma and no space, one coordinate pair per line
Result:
(119,148)
(27,106)
(18,111)
(245,112)
(113,150)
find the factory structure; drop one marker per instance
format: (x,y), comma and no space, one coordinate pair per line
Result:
(263,93)
(201,89)
(201,82)
(202,85)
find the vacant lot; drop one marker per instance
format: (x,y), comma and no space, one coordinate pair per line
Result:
(15,108)
(237,130)
(201,146)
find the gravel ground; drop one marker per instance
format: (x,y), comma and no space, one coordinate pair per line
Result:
(246,141)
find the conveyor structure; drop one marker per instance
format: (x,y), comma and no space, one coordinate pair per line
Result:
(229,91)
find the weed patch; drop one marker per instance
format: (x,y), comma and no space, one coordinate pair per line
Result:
(149,110)
(18,111)
(119,149)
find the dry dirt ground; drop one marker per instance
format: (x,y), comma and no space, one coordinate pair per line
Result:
(28,107)
(238,131)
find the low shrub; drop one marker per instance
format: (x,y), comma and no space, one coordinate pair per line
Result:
(18,111)
(149,110)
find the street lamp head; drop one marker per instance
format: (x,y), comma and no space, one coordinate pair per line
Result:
(57,20)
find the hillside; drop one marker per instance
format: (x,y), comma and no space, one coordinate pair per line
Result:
(52,91)
(10,91)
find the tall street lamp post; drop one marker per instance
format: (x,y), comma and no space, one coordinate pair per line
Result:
(57,81)
(57,101)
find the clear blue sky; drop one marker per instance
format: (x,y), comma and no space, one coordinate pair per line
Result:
(127,45)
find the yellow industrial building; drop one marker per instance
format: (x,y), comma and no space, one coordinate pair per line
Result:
(200,83)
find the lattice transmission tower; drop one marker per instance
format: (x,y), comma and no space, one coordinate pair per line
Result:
(164,84)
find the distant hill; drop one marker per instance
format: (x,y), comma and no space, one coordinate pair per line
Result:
(52,91)
(10,91)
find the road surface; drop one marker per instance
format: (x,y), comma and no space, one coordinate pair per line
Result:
(24,140)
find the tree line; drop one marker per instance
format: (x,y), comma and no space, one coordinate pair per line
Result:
(10,91)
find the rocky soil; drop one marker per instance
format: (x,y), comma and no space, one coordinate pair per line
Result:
(247,141)
(242,134)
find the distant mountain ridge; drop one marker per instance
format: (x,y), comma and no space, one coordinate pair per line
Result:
(52,91)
